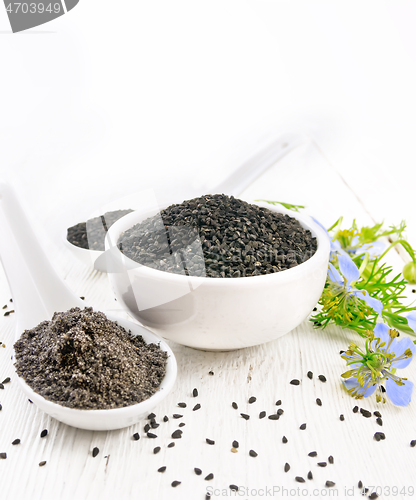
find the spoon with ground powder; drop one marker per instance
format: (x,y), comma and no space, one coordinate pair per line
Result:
(88,369)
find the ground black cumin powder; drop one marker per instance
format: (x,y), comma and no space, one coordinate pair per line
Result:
(81,359)
(220,237)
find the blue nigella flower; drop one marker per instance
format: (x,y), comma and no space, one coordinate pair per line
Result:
(374,369)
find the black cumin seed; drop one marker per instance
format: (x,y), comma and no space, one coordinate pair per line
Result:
(295,381)
(150,416)
(234,405)
(365,491)
(6,380)
(82,298)
(379,421)
(322,378)
(208,496)
(341,417)
(44,433)
(413,443)
(322,464)
(209,477)
(136,436)
(30,401)
(3,456)
(355,409)
(318,402)
(299,479)
(162,469)
(211,373)
(1,407)
(413,290)
(284,439)
(182,405)
(365,413)
(147,428)
(252,453)
(7,313)
(235,444)
(177,434)
(280,411)
(182,424)
(233,487)
(329,484)
(262,414)
(310,476)
(1,386)
(210,441)
(195,393)
(175,483)
(95,452)
(312,454)
(373,496)
(165,418)
(315,309)
(274,416)
(176,415)
(310,375)
(302,427)
(379,436)
(151,435)
(331,459)
(252,400)
(41,464)
(16,441)
(383,389)
(5,306)
(279,402)
(360,484)
(287,467)
(377,414)
(156,450)
(154,425)
(245,416)
(196,407)
(198,472)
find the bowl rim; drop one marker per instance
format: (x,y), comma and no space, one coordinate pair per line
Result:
(321,253)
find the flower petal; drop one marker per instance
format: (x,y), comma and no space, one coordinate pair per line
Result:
(334,275)
(370,301)
(399,395)
(411,320)
(351,383)
(348,268)
(374,249)
(381,331)
(399,348)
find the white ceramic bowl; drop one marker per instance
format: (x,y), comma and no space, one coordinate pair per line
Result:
(218,313)
(117,418)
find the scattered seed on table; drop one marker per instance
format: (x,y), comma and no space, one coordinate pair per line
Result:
(136,436)
(44,433)
(171,445)
(310,476)
(413,443)
(299,479)
(322,464)
(147,428)
(252,400)
(195,393)
(176,415)
(162,469)
(208,496)
(279,402)
(322,378)
(330,484)
(379,436)
(95,452)
(182,405)
(235,444)
(280,411)
(30,401)
(196,407)
(295,381)
(154,425)
(310,375)
(262,414)
(234,405)
(377,414)
(287,467)
(165,418)
(1,407)
(274,416)
(150,416)
(210,441)
(341,417)
(365,491)
(41,464)
(355,409)
(245,416)
(177,434)
(379,421)
(284,439)
(175,483)
(234,450)
(331,459)
(365,413)
(5,306)
(209,477)
(211,373)
(182,424)
(252,453)
(198,472)
(156,450)
(1,386)
(318,402)
(151,435)
(302,427)
(6,380)
(16,441)
(233,487)
(360,484)
(3,456)
(312,454)
(373,496)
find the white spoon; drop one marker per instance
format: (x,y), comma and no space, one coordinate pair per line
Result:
(37,293)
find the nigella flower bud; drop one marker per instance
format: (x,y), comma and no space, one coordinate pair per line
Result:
(409,272)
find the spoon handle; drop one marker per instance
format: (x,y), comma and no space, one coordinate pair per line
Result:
(37,290)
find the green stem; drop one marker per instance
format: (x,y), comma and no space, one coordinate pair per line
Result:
(405,244)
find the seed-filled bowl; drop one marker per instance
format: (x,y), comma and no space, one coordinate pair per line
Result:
(217,313)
